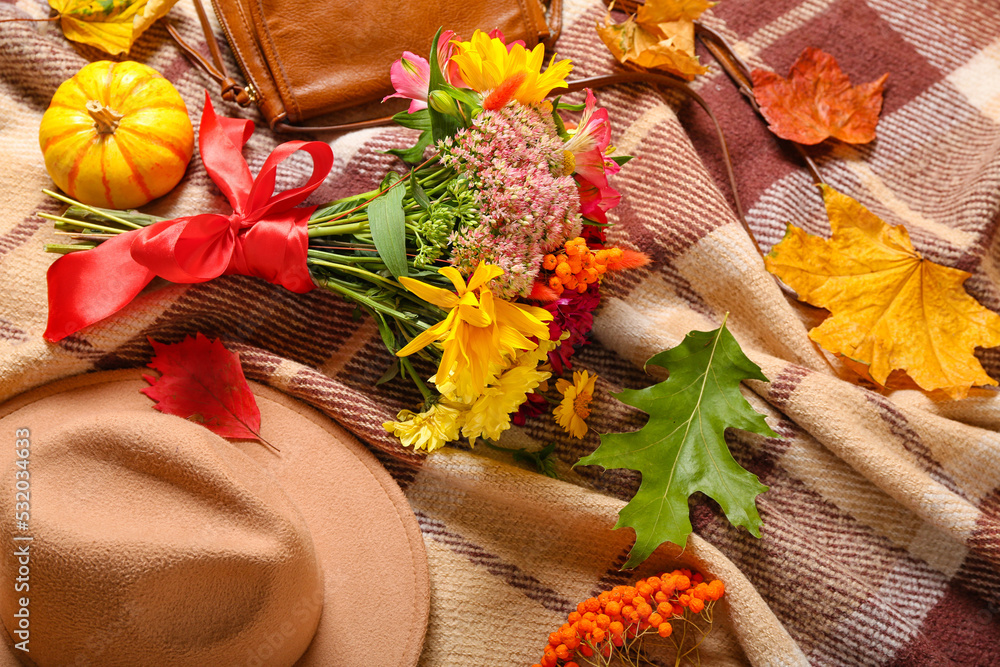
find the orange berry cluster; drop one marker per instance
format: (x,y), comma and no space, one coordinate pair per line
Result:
(577,266)
(606,622)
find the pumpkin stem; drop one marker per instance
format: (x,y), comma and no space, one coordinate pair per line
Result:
(105,118)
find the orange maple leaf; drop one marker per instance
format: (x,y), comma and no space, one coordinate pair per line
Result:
(890,309)
(818,101)
(660,36)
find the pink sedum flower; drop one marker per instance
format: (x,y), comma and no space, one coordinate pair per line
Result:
(411,74)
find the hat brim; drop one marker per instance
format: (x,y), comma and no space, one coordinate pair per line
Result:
(365,534)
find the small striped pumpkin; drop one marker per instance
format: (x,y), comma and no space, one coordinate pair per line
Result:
(116,135)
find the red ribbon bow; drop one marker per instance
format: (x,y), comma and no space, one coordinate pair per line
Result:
(266,236)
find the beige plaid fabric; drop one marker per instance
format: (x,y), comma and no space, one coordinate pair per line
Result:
(880,543)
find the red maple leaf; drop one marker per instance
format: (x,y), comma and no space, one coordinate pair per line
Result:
(202,381)
(818,101)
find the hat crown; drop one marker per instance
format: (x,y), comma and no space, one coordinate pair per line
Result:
(155,541)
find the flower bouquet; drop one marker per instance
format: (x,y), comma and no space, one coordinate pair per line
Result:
(485,259)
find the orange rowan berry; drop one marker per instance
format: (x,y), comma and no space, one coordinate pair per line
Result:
(697,578)
(655,619)
(593,604)
(616,593)
(550,660)
(581,287)
(614,254)
(643,589)
(570,282)
(567,632)
(700,591)
(716,589)
(562,652)
(573,617)
(602,621)
(584,625)
(555,639)
(573,644)
(616,628)
(661,596)
(549,262)
(696,605)
(575,263)
(644,611)
(601,269)
(678,610)
(590,616)
(556,284)
(586,651)
(627,611)
(684,600)
(665,609)
(617,640)
(604,597)
(561,258)
(666,630)
(667,585)
(598,635)
(571,664)
(601,256)
(654,583)
(563,270)
(572,249)
(682,582)
(613,608)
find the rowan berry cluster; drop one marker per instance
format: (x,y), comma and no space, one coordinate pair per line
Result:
(614,624)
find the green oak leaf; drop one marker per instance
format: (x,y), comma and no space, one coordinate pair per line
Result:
(681,449)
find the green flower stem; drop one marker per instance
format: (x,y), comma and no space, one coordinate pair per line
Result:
(69,222)
(339,230)
(104,213)
(417,380)
(345,290)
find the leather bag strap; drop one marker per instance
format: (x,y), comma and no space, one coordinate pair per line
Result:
(231,90)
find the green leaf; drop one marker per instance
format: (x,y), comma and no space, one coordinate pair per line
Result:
(681,449)
(387,223)
(414,155)
(620,160)
(418,193)
(418,120)
(442,125)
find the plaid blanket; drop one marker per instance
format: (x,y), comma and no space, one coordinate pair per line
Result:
(881,526)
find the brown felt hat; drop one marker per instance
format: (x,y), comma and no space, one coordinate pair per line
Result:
(155,542)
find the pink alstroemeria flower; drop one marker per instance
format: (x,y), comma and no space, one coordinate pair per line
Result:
(496,33)
(597,199)
(591,167)
(411,74)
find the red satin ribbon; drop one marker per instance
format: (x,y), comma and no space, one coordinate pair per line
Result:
(266,235)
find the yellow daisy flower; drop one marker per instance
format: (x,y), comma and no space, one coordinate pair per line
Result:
(479,334)
(486,64)
(575,405)
(489,415)
(429,430)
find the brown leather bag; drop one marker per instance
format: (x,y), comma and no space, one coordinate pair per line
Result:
(302,59)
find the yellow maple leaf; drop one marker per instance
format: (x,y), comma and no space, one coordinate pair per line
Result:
(110,25)
(660,36)
(665,11)
(890,308)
